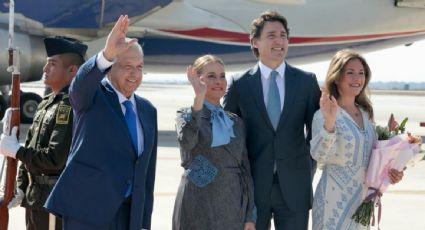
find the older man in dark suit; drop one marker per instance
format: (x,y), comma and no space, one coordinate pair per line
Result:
(277,103)
(109,179)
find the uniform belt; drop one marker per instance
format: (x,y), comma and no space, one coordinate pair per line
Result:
(45,180)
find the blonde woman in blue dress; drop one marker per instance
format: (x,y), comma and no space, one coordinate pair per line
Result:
(342,137)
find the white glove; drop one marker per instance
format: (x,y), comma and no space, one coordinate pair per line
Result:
(6,120)
(16,200)
(9,144)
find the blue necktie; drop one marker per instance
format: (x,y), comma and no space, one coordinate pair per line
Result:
(273,100)
(130,119)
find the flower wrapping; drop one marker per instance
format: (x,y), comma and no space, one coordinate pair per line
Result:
(395,153)
(391,151)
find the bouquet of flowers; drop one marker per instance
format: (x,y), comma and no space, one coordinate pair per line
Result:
(394,149)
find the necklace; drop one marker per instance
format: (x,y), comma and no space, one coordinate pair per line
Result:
(354,112)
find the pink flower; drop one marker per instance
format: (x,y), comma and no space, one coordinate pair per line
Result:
(392,123)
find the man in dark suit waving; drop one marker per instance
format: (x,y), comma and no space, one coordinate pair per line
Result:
(109,179)
(277,103)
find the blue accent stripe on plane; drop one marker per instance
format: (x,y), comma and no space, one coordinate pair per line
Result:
(177,52)
(176,46)
(158,45)
(83,14)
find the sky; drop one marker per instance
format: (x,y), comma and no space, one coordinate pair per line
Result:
(400,63)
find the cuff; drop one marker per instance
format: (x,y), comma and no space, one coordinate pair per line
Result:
(329,138)
(102,63)
(20,153)
(253,217)
(195,117)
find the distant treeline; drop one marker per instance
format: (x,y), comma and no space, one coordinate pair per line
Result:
(397,85)
(394,85)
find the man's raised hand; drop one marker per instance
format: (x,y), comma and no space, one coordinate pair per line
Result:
(116,43)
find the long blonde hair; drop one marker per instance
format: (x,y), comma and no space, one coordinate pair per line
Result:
(336,72)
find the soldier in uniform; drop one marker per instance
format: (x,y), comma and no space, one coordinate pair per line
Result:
(49,138)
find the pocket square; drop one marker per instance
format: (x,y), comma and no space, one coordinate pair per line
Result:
(201,171)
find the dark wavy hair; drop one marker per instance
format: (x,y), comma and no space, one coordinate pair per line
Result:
(257,26)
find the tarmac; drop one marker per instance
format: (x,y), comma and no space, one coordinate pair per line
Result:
(403,204)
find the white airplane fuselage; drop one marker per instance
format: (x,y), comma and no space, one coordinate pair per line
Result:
(174,33)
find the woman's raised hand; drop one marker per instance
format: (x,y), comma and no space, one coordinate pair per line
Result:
(328,106)
(198,85)
(196,81)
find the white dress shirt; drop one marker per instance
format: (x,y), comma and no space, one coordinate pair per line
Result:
(280,80)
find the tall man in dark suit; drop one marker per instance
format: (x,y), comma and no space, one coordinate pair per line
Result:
(277,103)
(109,179)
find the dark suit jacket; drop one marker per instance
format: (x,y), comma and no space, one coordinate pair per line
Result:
(102,161)
(288,145)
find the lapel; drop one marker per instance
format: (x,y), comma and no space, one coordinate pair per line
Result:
(112,98)
(147,122)
(257,89)
(290,90)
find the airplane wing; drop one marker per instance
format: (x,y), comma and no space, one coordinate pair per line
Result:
(81,18)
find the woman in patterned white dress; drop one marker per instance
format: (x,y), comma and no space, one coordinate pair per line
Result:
(342,138)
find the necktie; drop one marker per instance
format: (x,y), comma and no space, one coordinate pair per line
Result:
(130,119)
(273,100)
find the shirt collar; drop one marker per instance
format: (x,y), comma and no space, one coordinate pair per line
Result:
(62,92)
(121,97)
(265,70)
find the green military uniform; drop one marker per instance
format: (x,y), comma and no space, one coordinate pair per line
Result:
(45,153)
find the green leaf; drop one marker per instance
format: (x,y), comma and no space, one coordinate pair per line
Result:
(383,133)
(402,126)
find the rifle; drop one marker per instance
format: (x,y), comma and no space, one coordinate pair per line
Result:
(15,119)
